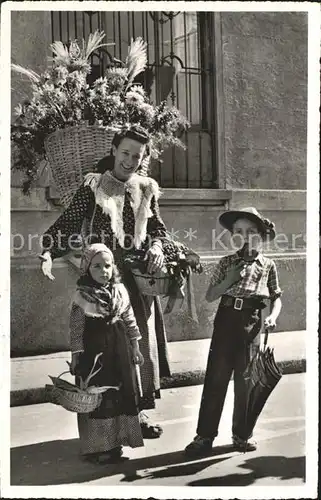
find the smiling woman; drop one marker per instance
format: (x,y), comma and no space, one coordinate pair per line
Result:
(128,155)
(119,207)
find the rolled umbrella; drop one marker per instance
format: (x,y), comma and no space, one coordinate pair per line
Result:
(261,376)
(139,381)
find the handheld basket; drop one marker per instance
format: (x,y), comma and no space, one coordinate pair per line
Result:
(152,284)
(73,398)
(74,151)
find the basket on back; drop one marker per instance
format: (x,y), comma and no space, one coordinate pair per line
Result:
(74,151)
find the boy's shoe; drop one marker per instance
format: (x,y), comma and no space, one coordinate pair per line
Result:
(243,445)
(199,446)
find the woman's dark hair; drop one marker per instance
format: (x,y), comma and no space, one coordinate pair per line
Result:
(136,132)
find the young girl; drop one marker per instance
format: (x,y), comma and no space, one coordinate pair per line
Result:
(243,280)
(102,321)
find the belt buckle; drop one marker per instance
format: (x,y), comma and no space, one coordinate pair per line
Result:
(238,304)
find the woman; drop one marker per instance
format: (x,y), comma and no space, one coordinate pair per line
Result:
(121,210)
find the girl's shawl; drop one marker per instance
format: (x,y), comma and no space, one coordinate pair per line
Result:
(107,302)
(110,196)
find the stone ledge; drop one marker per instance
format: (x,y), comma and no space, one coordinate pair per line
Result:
(35,201)
(193,196)
(269,199)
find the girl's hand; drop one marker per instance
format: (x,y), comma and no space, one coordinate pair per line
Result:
(74,362)
(270,322)
(155,258)
(138,358)
(46,265)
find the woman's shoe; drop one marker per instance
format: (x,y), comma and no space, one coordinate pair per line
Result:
(149,431)
(105,457)
(199,446)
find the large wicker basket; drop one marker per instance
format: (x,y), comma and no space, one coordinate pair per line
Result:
(74,151)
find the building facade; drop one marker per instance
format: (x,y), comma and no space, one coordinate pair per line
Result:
(241,80)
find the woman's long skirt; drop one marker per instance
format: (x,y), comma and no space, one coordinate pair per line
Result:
(115,422)
(153,344)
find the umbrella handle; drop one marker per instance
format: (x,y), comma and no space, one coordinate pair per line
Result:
(266,335)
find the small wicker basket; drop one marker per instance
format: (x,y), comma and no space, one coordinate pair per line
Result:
(73,398)
(79,401)
(73,152)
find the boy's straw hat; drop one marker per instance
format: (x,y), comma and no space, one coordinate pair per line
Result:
(265,226)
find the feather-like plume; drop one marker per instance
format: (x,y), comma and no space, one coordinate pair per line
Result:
(93,43)
(136,60)
(61,52)
(32,75)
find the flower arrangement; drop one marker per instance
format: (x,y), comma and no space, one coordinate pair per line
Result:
(62,97)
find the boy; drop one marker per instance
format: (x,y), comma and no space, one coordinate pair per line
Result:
(242,280)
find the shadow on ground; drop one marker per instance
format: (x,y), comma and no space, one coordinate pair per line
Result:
(187,466)
(261,467)
(59,462)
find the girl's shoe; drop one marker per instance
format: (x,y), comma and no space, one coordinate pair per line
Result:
(199,446)
(149,431)
(242,445)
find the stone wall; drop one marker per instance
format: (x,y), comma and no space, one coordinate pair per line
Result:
(264,102)
(265,99)
(40,308)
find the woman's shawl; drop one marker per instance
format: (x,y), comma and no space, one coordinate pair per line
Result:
(109,194)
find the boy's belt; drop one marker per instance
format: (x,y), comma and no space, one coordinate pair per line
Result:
(239,303)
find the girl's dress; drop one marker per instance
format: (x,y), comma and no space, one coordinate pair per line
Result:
(102,321)
(123,216)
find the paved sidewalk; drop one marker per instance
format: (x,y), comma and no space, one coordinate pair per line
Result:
(45,451)
(29,375)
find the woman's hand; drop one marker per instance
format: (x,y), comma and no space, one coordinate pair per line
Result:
(155,258)
(138,358)
(46,265)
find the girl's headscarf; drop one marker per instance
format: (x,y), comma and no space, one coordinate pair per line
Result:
(89,253)
(102,300)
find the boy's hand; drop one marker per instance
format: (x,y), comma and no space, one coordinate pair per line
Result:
(138,358)
(270,322)
(235,273)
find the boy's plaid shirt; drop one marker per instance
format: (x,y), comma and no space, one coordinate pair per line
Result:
(260,280)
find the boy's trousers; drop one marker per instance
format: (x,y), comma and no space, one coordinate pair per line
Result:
(235,340)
